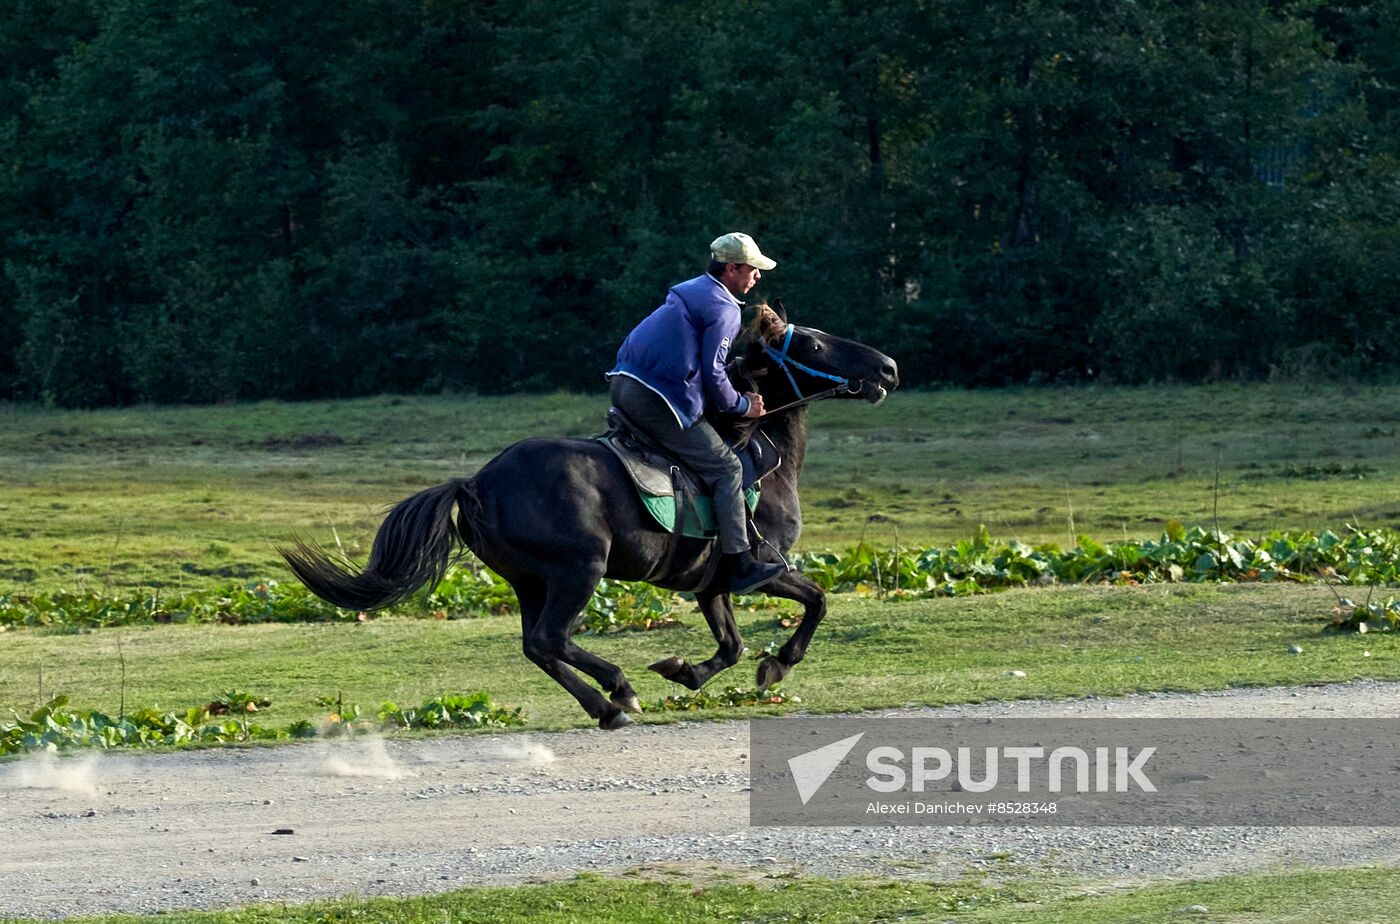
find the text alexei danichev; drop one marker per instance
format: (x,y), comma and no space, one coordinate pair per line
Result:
(957,809)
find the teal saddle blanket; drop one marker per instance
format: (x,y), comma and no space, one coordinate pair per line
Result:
(651,474)
(699,512)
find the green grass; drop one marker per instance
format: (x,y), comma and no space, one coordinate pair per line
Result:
(192,497)
(1316,897)
(1070,641)
(1120,461)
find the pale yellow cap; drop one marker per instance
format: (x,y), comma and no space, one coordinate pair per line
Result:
(737,247)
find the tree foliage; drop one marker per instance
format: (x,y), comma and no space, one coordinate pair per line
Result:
(230,199)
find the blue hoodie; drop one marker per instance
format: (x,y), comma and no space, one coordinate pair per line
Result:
(679,350)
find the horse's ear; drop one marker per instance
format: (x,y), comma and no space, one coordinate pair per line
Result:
(777,306)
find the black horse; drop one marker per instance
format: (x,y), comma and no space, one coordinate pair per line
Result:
(555,516)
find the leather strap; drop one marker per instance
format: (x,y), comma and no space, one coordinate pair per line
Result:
(682,499)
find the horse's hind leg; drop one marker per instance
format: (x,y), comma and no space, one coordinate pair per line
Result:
(609,676)
(548,644)
(792,586)
(719,613)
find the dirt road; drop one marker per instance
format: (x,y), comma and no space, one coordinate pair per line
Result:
(140,833)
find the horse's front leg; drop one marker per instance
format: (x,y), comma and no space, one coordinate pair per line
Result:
(792,586)
(719,613)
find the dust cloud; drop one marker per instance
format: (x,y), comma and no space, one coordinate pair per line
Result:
(364,756)
(527,752)
(45,771)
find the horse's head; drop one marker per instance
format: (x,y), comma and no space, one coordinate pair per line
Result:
(789,363)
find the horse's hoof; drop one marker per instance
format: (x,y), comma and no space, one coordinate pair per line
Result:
(770,671)
(629,703)
(668,667)
(613,723)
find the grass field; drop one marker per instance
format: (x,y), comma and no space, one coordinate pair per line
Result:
(190,497)
(1370,895)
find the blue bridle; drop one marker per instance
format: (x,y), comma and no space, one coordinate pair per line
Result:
(785,361)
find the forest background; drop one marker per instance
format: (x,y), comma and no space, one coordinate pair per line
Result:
(218,200)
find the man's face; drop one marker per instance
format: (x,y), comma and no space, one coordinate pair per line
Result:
(739,278)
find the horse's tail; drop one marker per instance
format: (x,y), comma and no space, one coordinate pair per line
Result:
(414,547)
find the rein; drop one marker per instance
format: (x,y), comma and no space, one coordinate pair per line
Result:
(819,396)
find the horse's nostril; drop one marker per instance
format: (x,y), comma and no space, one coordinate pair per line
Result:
(890,373)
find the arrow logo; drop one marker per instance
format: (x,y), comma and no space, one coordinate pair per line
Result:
(811,770)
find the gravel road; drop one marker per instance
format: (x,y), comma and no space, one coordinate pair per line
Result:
(144,833)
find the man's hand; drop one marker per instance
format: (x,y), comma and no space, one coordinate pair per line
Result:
(755,404)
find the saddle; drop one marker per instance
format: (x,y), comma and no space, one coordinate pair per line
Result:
(660,478)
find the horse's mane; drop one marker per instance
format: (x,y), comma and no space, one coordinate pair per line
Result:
(765,326)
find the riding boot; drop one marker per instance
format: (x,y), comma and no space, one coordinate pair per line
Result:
(747,574)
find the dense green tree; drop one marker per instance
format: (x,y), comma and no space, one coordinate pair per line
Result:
(35,37)
(226,199)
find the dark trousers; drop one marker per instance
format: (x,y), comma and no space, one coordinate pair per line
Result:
(700,448)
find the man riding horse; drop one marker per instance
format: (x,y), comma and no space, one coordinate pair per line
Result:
(671,370)
(555,516)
